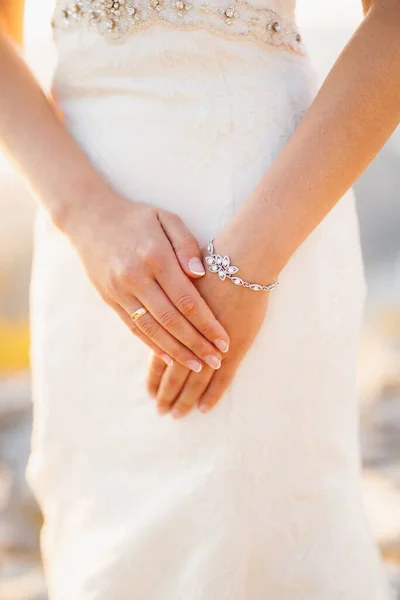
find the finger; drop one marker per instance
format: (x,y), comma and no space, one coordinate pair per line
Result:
(156,371)
(171,384)
(161,355)
(172,321)
(184,243)
(155,332)
(193,389)
(217,386)
(187,299)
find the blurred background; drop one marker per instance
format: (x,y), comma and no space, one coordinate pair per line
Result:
(326,27)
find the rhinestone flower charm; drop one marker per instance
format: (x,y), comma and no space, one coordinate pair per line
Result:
(221,265)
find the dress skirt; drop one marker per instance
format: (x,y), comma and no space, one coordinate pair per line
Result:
(261,498)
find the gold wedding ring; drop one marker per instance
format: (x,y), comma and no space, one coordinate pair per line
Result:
(138,313)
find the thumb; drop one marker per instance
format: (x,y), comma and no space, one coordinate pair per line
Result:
(185,245)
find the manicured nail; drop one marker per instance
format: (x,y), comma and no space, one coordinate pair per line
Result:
(203,408)
(194,365)
(167,359)
(176,414)
(162,410)
(213,361)
(196,266)
(222,345)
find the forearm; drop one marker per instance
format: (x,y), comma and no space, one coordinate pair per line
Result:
(355,112)
(55,167)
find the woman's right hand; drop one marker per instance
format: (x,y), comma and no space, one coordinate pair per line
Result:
(138,255)
(134,254)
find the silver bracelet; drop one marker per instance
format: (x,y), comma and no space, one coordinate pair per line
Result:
(222,265)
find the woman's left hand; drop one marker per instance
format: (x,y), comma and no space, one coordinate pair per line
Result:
(241,311)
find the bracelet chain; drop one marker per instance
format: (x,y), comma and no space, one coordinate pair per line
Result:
(222,265)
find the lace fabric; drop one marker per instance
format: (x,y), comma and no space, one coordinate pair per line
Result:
(118,19)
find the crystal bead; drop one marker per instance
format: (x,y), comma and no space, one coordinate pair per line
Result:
(237,280)
(226,261)
(232,270)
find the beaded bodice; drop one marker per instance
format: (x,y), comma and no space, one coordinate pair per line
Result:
(116,19)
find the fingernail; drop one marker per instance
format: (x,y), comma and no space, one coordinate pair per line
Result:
(213,361)
(194,365)
(203,408)
(176,414)
(196,266)
(222,345)
(167,359)
(162,410)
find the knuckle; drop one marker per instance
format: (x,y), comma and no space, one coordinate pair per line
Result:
(186,241)
(200,348)
(224,376)
(151,388)
(207,330)
(158,368)
(186,304)
(133,328)
(173,383)
(111,286)
(149,326)
(124,274)
(198,385)
(169,319)
(151,255)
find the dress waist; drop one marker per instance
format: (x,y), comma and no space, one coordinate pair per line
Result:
(116,20)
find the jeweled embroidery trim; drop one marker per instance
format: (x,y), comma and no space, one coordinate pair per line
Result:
(116,19)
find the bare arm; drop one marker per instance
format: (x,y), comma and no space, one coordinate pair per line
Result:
(354,114)
(12,18)
(134,254)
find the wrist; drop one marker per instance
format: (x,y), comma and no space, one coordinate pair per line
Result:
(81,207)
(257,261)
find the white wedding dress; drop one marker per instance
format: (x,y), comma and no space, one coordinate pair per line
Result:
(185,107)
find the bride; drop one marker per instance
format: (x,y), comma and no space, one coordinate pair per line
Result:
(213,454)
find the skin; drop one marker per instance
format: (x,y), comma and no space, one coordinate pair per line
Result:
(146,256)
(357,108)
(354,114)
(12,19)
